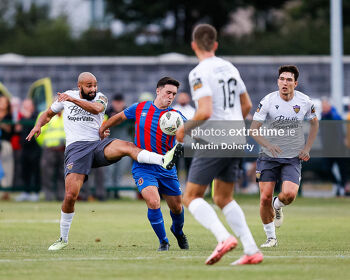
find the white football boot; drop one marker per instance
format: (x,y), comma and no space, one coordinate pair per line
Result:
(270,242)
(58,245)
(278,214)
(171,156)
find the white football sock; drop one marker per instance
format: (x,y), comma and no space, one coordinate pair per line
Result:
(278,204)
(66,221)
(206,216)
(149,157)
(270,230)
(236,220)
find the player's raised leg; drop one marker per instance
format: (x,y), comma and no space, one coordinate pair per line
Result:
(267,213)
(119,148)
(178,218)
(151,196)
(73,184)
(207,217)
(223,193)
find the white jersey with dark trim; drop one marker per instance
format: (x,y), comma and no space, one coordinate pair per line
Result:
(273,107)
(277,113)
(219,79)
(80,125)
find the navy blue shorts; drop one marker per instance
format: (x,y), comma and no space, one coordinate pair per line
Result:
(168,186)
(81,156)
(278,169)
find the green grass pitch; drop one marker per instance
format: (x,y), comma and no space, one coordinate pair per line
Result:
(113,240)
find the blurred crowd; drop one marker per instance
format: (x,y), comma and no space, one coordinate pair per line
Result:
(37,166)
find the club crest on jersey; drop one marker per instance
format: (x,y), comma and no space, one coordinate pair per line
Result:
(197,84)
(70,166)
(140,181)
(313,109)
(296,108)
(277,107)
(258,108)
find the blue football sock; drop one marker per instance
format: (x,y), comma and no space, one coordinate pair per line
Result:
(155,217)
(178,222)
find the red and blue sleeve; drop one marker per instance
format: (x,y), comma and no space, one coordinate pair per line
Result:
(130,112)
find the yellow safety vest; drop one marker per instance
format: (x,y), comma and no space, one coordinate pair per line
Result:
(52,134)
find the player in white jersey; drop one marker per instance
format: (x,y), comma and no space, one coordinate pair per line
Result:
(219,94)
(281,155)
(83,115)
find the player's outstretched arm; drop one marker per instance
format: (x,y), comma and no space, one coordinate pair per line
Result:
(255,133)
(203,112)
(304,153)
(113,121)
(92,107)
(204,109)
(246,104)
(43,119)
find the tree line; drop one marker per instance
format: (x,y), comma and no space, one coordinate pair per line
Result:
(294,27)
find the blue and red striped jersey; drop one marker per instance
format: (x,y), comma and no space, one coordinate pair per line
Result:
(148,134)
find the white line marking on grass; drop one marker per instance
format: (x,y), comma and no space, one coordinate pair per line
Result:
(307,257)
(30,221)
(154,258)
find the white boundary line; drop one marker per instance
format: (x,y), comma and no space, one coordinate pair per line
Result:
(30,221)
(154,258)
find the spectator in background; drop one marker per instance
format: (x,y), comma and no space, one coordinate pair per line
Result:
(52,140)
(30,155)
(330,113)
(6,152)
(97,181)
(183,105)
(2,173)
(118,105)
(16,143)
(15,108)
(116,171)
(145,96)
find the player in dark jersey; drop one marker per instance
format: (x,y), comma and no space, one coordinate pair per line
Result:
(152,180)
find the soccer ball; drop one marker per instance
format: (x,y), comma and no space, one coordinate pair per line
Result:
(170,122)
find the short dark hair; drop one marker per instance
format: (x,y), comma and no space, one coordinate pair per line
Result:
(118,97)
(168,81)
(289,68)
(205,36)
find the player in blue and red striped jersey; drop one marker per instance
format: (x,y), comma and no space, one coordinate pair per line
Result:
(150,178)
